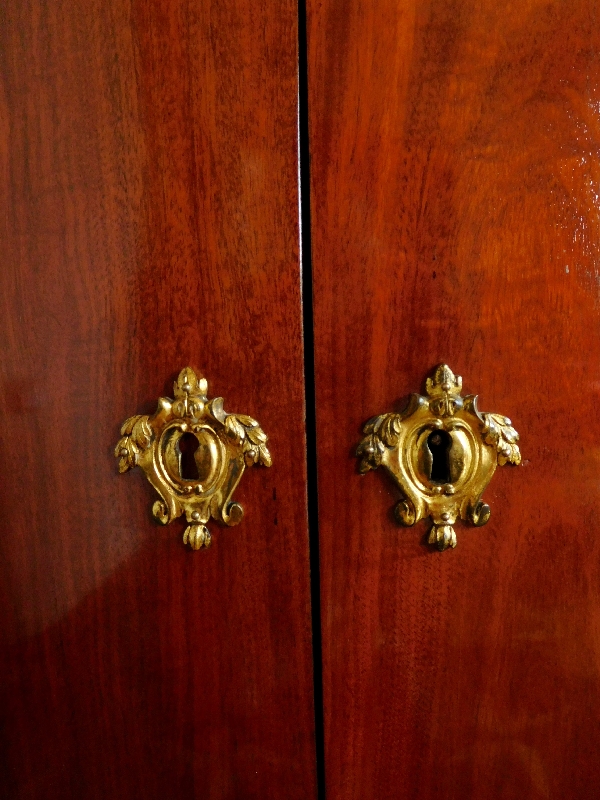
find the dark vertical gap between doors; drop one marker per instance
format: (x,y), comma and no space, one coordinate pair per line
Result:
(310,397)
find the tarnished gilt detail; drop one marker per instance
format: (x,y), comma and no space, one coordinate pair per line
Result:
(226,444)
(471,443)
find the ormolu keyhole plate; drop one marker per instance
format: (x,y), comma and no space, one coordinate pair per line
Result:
(474,444)
(227,443)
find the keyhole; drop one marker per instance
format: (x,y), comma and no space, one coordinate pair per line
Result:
(187,445)
(439,443)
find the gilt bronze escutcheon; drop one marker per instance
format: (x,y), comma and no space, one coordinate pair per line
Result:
(442,452)
(194,454)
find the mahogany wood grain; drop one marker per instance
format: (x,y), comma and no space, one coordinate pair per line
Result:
(149,221)
(455,207)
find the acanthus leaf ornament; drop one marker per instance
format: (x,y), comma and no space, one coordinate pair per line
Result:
(224,444)
(442,452)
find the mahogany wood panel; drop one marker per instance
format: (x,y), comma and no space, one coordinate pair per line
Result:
(149,221)
(455,207)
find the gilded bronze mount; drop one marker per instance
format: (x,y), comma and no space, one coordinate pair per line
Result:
(442,452)
(224,445)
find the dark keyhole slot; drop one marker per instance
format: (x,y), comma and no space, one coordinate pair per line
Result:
(188,469)
(439,443)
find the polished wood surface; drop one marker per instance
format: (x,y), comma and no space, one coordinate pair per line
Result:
(455,218)
(149,221)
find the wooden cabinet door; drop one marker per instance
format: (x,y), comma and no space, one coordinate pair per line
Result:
(149,222)
(455,187)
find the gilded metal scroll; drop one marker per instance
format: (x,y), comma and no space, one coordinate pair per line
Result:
(200,479)
(442,452)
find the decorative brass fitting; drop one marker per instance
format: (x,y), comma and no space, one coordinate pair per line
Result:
(224,444)
(442,453)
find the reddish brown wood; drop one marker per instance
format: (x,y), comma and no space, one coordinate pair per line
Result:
(149,221)
(455,218)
